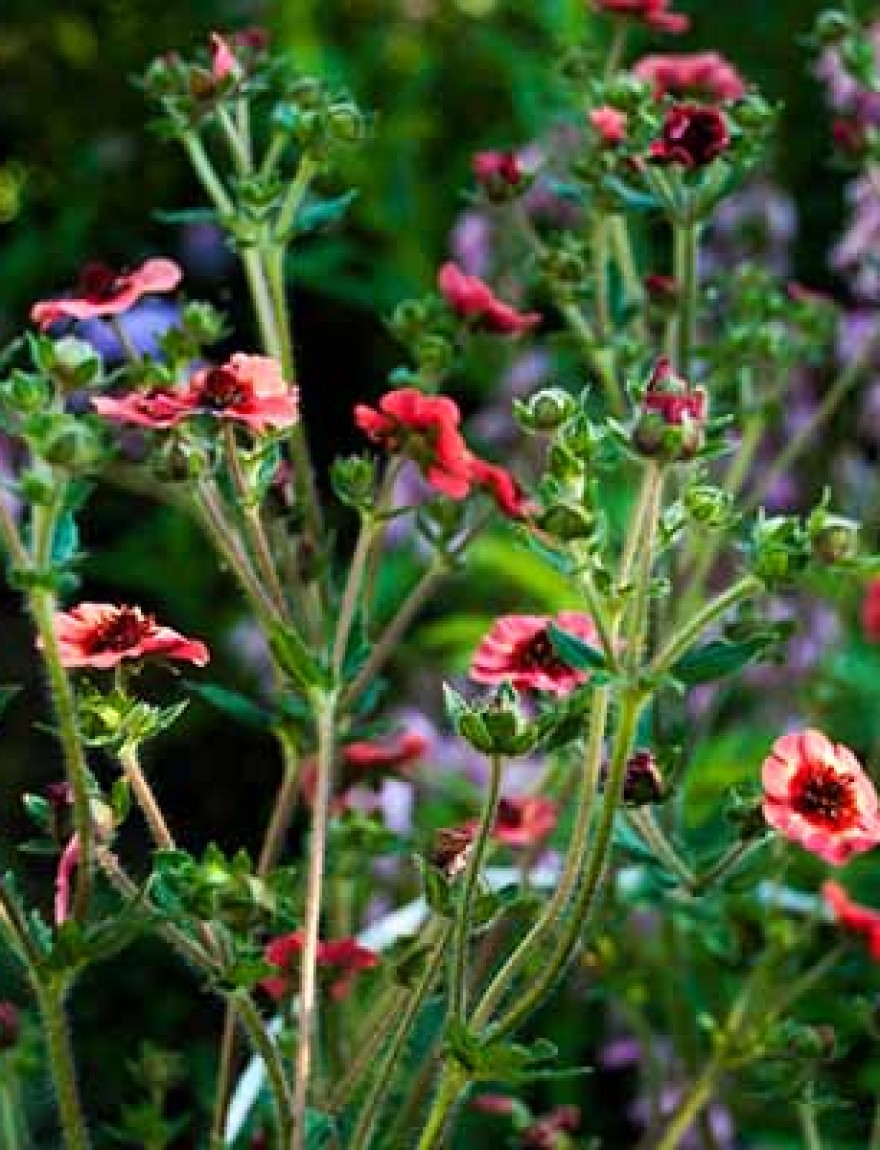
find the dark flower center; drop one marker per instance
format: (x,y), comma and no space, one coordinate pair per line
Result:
(824,796)
(510,815)
(698,132)
(222,389)
(120,632)
(538,654)
(98,283)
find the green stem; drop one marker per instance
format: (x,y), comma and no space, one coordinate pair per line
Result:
(875,1128)
(208,178)
(51,1003)
(692,1105)
(11,1118)
(686,249)
(371,1111)
(650,830)
(348,606)
(17,927)
(262,1044)
(459,956)
(282,808)
(641,604)
(588,339)
(809,1126)
(691,631)
(146,800)
(42,604)
(622,247)
(452,1083)
(600,275)
(728,863)
(308,1001)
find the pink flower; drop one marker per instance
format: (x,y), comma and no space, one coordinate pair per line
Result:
(390,754)
(871,612)
(693,135)
(499,1104)
(67,865)
(525,821)
(706,75)
(102,635)
(224,60)
(104,292)
(610,124)
(249,389)
(518,649)
(344,955)
(653,13)
(498,171)
(853,916)
(674,398)
(548,1133)
(502,486)
(817,794)
(474,300)
(424,428)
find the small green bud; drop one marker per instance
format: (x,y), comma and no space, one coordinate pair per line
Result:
(835,540)
(832,27)
(546,410)
(435,355)
(408,320)
(627,92)
(707,505)
(75,363)
(567,522)
(65,441)
(354,480)
(27,393)
(346,123)
(203,323)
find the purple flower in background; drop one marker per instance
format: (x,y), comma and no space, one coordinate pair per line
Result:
(144,325)
(205,252)
(759,222)
(471,242)
(854,256)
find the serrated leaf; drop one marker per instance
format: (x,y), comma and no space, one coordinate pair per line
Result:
(575,652)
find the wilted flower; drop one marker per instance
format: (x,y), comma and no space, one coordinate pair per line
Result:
(693,135)
(518,650)
(854,917)
(704,75)
(474,300)
(344,955)
(101,291)
(102,635)
(451,849)
(817,794)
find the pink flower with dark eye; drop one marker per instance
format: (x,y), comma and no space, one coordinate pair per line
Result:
(390,754)
(101,291)
(102,635)
(704,75)
(609,124)
(518,650)
(692,136)
(157,407)
(473,300)
(496,171)
(502,486)
(247,388)
(525,821)
(817,794)
(344,956)
(853,916)
(654,14)
(426,429)
(871,612)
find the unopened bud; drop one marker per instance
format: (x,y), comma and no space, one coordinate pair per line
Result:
(836,540)
(546,410)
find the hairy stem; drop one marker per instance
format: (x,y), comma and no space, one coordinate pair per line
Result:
(50,999)
(146,800)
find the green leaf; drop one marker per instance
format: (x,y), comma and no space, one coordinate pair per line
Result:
(7,694)
(295,658)
(575,652)
(186,216)
(320,1130)
(717,659)
(239,707)
(323,213)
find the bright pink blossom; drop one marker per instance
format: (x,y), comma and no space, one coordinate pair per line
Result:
(654,14)
(502,486)
(101,291)
(102,635)
(492,169)
(525,821)
(817,794)
(692,136)
(249,389)
(426,429)
(224,50)
(674,398)
(390,754)
(871,612)
(473,299)
(705,75)
(518,649)
(344,955)
(853,916)
(609,124)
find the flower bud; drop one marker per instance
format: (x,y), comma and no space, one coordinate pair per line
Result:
(10,1026)
(408,320)
(203,322)
(179,462)
(643,782)
(674,413)
(64,441)
(567,522)
(26,392)
(780,549)
(546,410)
(346,123)
(494,726)
(627,92)
(435,355)
(832,27)
(707,505)
(835,540)
(354,480)
(500,175)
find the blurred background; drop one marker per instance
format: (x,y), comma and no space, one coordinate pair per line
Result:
(82,177)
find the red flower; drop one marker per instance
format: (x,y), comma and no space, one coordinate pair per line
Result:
(391,754)
(673,398)
(103,292)
(425,428)
(706,75)
(247,388)
(525,821)
(548,1132)
(518,650)
(852,916)
(817,794)
(502,486)
(497,171)
(693,135)
(871,612)
(610,124)
(344,955)
(474,300)
(654,13)
(102,635)
(498,1104)
(661,289)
